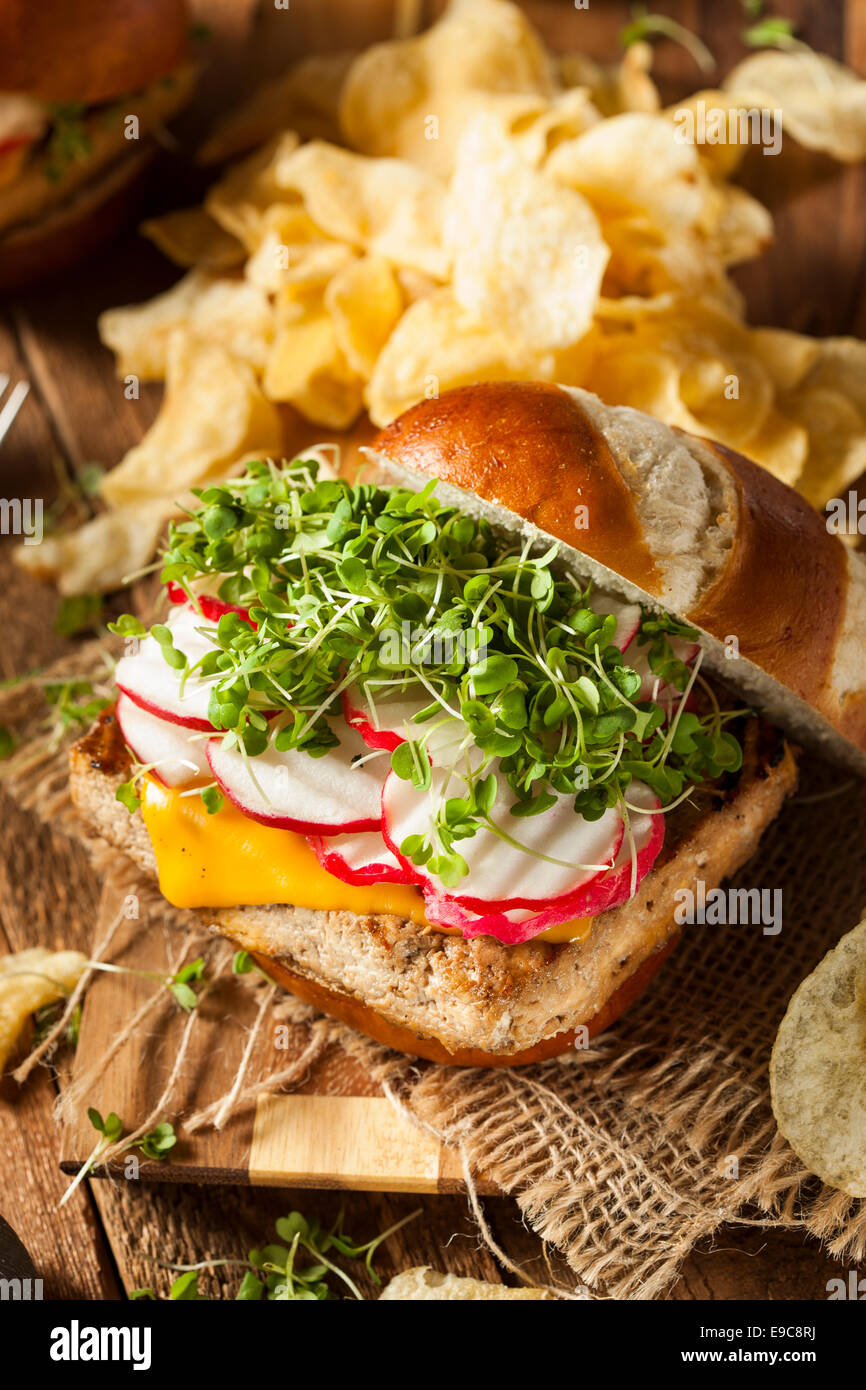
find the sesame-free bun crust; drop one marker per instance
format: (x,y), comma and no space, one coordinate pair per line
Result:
(668,520)
(89,50)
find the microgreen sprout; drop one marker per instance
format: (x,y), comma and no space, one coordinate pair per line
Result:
(180,984)
(528,692)
(45,1018)
(644,26)
(68,139)
(155,1144)
(296,1270)
(110,1129)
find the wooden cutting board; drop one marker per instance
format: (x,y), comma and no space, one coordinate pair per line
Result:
(335,1128)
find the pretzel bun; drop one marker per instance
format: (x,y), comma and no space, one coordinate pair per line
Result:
(677,523)
(89,50)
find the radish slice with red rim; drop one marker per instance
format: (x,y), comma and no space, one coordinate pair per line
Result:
(502,876)
(150,682)
(388,722)
(637,855)
(316,796)
(628,616)
(211,606)
(652,686)
(362,858)
(179,757)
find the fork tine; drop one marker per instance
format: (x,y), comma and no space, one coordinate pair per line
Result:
(17,397)
(4,382)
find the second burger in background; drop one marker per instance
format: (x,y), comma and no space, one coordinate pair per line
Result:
(72,74)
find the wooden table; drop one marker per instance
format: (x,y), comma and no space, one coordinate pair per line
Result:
(111,1237)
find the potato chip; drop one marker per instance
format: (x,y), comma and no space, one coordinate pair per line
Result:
(614,88)
(305,99)
(365,302)
(533,125)
(28,981)
(437,345)
(292,249)
(212,412)
(647,265)
(787,356)
(385,206)
(191,237)
(527,251)
(823,104)
(409,98)
(705,379)
(306,369)
(837,441)
(741,229)
(501,213)
(138,334)
(636,160)
(226,311)
(696,126)
(240,200)
(781,445)
(100,556)
(817,1076)
(839,363)
(645,378)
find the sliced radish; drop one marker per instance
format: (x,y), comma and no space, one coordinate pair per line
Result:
(628,616)
(638,852)
(603,893)
(148,679)
(211,606)
(502,876)
(652,686)
(388,722)
(361,858)
(316,796)
(178,757)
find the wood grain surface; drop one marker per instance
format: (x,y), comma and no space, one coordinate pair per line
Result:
(119,1235)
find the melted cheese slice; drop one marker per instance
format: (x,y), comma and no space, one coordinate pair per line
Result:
(229,860)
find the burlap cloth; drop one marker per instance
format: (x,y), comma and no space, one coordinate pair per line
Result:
(624,1156)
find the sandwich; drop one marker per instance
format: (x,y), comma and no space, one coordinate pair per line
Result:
(440,748)
(85,87)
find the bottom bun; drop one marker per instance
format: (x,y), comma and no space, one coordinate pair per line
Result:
(366,1020)
(93,217)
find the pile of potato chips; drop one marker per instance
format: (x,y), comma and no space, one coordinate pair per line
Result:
(463,206)
(817,1076)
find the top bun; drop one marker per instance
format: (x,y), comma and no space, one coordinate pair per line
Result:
(668,520)
(89,50)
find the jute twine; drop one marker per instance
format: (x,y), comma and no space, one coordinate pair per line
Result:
(625,1155)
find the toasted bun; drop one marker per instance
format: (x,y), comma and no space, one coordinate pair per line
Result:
(365,1019)
(89,50)
(88,221)
(668,520)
